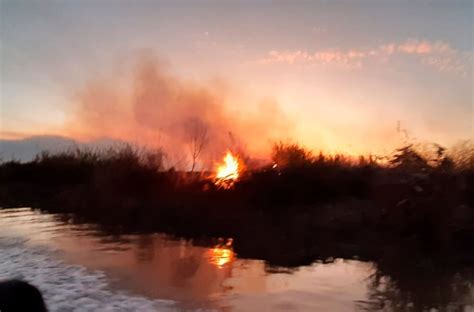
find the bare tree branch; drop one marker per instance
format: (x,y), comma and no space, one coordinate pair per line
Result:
(196,132)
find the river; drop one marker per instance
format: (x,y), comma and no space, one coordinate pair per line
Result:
(80,268)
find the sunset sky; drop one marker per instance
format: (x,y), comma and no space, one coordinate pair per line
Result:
(333,75)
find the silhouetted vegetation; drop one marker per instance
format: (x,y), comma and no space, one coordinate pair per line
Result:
(300,208)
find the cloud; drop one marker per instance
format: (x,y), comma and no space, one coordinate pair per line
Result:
(437,55)
(461,63)
(346,59)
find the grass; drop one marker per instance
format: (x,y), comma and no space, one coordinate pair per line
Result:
(300,208)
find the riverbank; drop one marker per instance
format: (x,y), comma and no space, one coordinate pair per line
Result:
(305,209)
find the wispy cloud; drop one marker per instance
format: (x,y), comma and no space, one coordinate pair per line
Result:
(437,55)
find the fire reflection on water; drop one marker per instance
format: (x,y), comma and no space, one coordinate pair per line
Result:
(197,277)
(222,254)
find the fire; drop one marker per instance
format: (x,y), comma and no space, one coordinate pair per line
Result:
(228,172)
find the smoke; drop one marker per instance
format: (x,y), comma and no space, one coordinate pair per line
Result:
(150,107)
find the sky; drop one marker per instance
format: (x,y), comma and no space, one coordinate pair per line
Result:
(340,76)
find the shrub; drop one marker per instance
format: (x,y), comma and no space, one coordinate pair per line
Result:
(286,155)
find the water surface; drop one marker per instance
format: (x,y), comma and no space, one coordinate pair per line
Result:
(156,272)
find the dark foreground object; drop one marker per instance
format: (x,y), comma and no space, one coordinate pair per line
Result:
(19,296)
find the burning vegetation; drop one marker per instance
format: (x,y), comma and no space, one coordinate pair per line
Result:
(423,203)
(227,173)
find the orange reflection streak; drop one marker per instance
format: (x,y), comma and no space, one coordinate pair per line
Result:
(222,254)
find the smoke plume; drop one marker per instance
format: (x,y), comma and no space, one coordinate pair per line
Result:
(153,108)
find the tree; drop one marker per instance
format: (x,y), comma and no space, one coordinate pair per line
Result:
(196,133)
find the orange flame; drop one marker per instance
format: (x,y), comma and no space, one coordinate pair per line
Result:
(228,172)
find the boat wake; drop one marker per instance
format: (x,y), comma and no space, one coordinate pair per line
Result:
(67,287)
